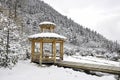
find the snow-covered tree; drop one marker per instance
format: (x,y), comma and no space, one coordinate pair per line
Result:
(7,56)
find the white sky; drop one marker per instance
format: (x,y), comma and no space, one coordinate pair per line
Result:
(100,15)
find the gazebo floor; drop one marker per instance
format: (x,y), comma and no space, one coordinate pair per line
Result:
(45,60)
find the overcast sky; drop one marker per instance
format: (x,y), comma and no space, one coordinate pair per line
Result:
(102,16)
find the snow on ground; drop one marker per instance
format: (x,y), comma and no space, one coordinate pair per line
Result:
(25,70)
(91,60)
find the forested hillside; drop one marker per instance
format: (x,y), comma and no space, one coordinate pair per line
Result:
(27,14)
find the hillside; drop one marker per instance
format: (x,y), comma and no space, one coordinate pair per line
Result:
(29,13)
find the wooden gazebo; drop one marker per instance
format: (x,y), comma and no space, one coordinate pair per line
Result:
(47,35)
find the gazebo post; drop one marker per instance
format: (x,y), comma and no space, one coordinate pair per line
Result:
(41,52)
(54,50)
(32,50)
(51,29)
(41,29)
(61,50)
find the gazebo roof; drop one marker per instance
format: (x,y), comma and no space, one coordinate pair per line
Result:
(47,23)
(47,35)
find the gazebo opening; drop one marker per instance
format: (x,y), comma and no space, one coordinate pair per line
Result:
(47,46)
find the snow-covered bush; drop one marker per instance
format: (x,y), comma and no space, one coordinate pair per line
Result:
(24,55)
(69,52)
(7,60)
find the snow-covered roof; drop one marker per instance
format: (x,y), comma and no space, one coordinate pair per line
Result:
(47,35)
(47,22)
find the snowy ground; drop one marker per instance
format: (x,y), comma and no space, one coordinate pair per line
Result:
(25,70)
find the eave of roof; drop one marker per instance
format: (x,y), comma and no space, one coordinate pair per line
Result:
(47,35)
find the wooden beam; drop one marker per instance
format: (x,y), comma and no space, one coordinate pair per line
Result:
(32,50)
(48,59)
(46,40)
(41,52)
(50,41)
(61,50)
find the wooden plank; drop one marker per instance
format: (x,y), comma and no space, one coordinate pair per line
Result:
(46,40)
(48,59)
(87,66)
